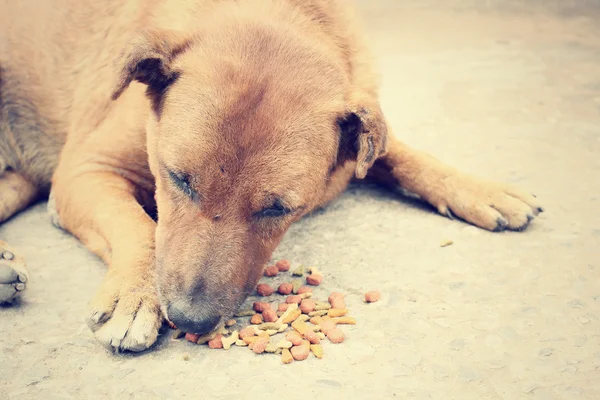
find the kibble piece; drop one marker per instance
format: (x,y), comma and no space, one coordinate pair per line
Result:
(260,307)
(271,271)
(250,339)
(314,279)
(327,325)
(301,352)
(306,295)
(241,343)
(283,265)
(307,306)
(321,305)
(312,337)
(294,338)
(319,313)
(271,348)
(206,338)
(282,307)
(298,271)
(303,318)
(344,321)
(372,297)
(282,328)
(244,313)
(216,343)
(264,290)
(446,243)
(191,337)
(269,325)
(337,312)
(269,316)
(256,319)
(231,322)
(336,300)
(285,344)
(260,345)
(293,299)
(300,326)
(304,289)
(317,350)
(321,335)
(316,320)
(228,341)
(285,289)
(291,316)
(296,285)
(335,336)
(247,332)
(286,356)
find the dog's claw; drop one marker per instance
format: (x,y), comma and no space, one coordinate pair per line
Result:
(501,224)
(13,275)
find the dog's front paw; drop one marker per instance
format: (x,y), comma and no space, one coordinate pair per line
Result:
(125,315)
(489,205)
(13,275)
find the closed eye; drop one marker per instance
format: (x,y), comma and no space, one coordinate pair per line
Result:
(274,211)
(182,182)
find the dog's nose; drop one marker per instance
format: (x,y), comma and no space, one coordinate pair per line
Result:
(192,322)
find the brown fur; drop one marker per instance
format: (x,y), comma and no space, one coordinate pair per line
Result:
(224,112)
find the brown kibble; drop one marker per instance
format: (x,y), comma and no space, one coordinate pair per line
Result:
(269,315)
(264,290)
(292,316)
(271,271)
(300,326)
(286,356)
(216,343)
(312,337)
(260,307)
(294,338)
(250,339)
(314,279)
(304,289)
(260,345)
(247,332)
(256,319)
(335,336)
(301,352)
(307,306)
(337,312)
(372,297)
(231,322)
(336,300)
(282,307)
(283,265)
(293,299)
(285,289)
(317,350)
(327,325)
(192,337)
(316,320)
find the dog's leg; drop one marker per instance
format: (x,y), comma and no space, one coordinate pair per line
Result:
(16,193)
(489,205)
(99,207)
(13,275)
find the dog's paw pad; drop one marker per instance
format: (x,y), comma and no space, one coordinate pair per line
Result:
(13,275)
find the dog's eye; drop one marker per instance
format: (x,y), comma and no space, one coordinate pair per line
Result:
(182,182)
(276,210)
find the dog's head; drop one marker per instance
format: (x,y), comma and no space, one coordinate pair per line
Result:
(245,132)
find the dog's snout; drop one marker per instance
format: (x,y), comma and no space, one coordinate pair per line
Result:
(190,320)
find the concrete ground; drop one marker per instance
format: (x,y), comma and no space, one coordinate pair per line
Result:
(506,89)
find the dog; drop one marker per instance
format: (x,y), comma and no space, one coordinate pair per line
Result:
(179,139)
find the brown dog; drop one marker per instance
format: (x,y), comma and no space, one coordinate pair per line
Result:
(230,119)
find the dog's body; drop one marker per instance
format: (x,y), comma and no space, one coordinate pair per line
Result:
(232,118)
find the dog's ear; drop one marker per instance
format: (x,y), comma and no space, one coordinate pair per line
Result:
(148,59)
(363,138)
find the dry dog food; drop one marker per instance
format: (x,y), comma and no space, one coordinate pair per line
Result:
(271,271)
(372,297)
(283,265)
(314,279)
(264,290)
(285,289)
(303,322)
(260,307)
